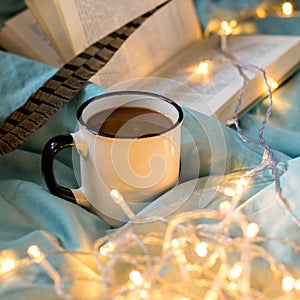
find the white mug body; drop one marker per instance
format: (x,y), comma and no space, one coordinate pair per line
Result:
(139,167)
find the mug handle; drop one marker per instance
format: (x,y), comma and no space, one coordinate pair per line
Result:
(52,147)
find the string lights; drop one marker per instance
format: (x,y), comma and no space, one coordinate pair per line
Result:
(203,67)
(225,30)
(211,254)
(198,254)
(287,8)
(243,20)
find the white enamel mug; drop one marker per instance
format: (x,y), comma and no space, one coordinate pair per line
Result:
(139,167)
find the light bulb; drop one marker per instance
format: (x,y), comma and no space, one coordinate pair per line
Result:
(226,28)
(233,23)
(202,67)
(297,284)
(34,251)
(225,206)
(233,286)
(211,295)
(228,191)
(273,84)
(241,184)
(119,199)
(236,271)
(261,12)
(7,265)
(143,294)
(252,230)
(116,196)
(287,283)
(107,248)
(201,249)
(287,8)
(175,243)
(136,277)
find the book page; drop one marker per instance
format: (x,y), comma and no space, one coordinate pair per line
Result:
(9,42)
(161,37)
(46,15)
(86,21)
(215,92)
(277,55)
(23,36)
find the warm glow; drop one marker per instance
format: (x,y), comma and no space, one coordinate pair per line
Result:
(106,249)
(233,23)
(116,196)
(197,254)
(243,181)
(297,284)
(287,8)
(212,259)
(201,249)
(175,243)
(239,189)
(226,28)
(229,192)
(136,277)
(288,283)
(233,286)
(211,295)
(252,230)
(143,293)
(273,84)
(241,184)
(34,251)
(236,271)
(119,199)
(225,206)
(202,68)
(261,12)
(7,265)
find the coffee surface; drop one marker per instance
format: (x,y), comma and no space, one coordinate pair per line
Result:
(129,121)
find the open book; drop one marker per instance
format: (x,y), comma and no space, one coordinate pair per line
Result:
(169,45)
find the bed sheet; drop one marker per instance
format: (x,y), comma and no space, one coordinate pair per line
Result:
(29,214)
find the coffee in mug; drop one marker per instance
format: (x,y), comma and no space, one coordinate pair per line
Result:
(128,141)
(129,121)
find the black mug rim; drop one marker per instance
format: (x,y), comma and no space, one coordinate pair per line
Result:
(133,92)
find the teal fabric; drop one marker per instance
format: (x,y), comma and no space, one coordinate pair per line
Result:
(29,214)
(229,10)
(9,8)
